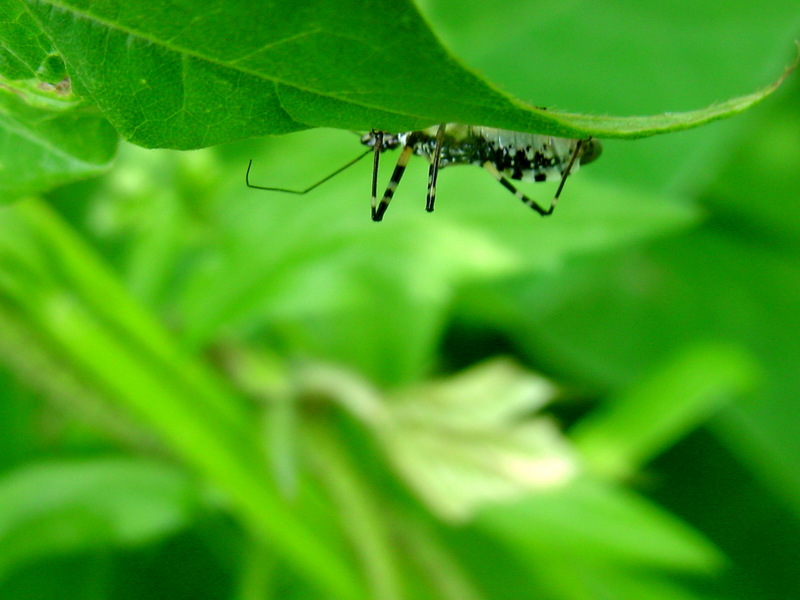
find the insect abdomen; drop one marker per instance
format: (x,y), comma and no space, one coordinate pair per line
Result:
(526,156)
(521,156)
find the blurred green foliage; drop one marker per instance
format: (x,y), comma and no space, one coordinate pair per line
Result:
(212,392)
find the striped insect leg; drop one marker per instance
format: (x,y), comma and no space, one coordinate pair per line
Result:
(397,174)
(433,172)
(375,162)
(489,166)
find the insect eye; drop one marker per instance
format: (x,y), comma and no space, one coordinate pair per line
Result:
(590,150)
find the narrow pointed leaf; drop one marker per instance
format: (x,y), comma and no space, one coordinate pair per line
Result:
(69,307)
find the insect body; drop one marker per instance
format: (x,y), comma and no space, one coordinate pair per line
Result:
(504,154)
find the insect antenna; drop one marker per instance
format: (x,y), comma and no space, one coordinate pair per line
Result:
(311,187)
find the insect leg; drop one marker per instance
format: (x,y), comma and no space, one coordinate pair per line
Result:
(433,172)
(566,174)
(489,166)
(397,174)
(377,149)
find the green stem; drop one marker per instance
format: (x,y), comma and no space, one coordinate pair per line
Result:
(360,512)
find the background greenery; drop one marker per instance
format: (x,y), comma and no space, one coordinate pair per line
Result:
(213,392)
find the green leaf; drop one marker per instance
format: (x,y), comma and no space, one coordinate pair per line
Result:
(26,52)
(463,442)
(620,437)
(77,311)
(639,127)
(211,72)
(591,534)
(48,137)
(43,145)
(68,506)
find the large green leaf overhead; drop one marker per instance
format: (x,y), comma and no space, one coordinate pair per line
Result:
(192,74)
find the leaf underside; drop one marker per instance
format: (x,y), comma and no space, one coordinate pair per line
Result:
(190,75)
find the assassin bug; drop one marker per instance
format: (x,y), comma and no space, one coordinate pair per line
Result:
(504,154)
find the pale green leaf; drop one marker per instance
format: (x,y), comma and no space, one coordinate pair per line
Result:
(468,441)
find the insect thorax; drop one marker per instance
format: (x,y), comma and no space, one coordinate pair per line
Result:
(523,156)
